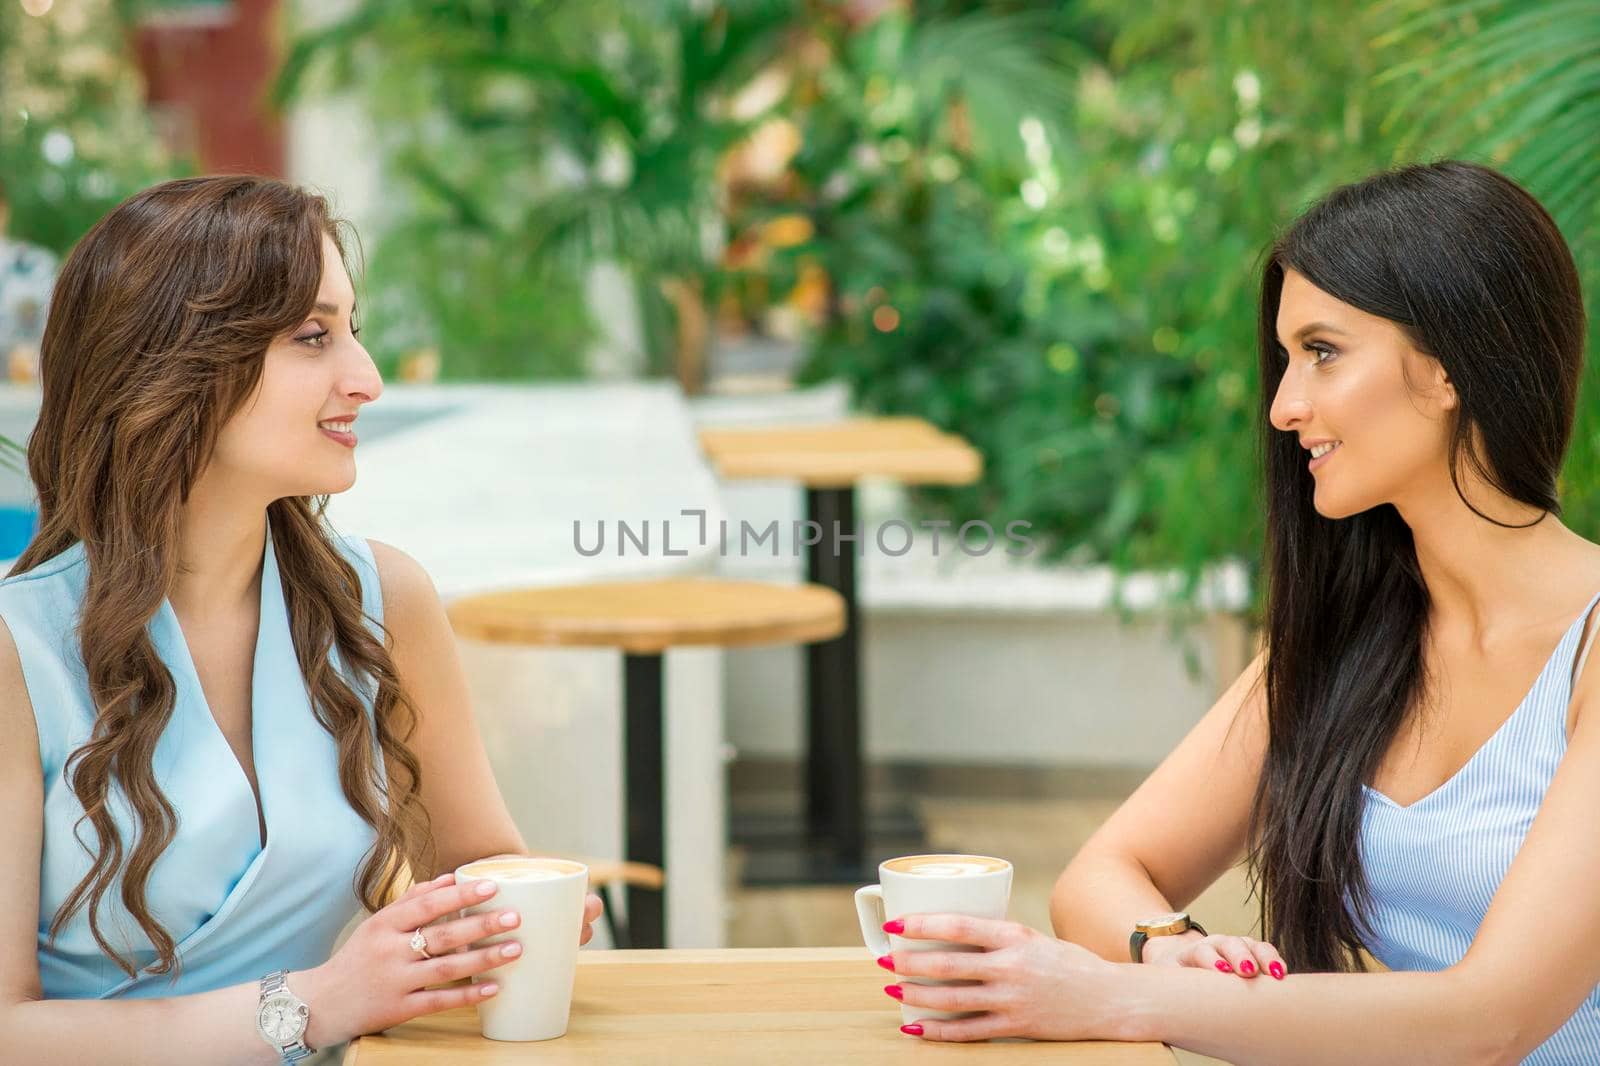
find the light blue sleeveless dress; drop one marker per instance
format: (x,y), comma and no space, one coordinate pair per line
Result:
(1433,867)
(237,910)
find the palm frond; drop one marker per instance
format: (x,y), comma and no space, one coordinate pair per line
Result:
(1003,66)
(1523,88)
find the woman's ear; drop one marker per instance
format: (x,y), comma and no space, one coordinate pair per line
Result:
(1444,388)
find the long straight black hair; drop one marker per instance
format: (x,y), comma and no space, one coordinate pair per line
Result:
(1477,274)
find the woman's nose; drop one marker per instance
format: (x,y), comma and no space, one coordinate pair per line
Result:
(365,381)
(1289,408)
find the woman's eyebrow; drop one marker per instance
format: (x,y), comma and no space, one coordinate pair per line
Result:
(1325,327)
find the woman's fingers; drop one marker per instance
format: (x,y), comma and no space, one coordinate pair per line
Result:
(592,908)
(1236,953)
(962,1030)
(962,929)
(430,1000)
(947,997)
(448,936)
(1204,954)
(437,902)
(1251,958)
(1268,960)
(419,887)
(945,965)
(454,967)
(1239,955)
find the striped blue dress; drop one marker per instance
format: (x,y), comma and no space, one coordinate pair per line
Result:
(1434,866)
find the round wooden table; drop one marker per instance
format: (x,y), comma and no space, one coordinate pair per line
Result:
(829,460)
(643,619)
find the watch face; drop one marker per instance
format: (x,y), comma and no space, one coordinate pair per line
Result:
(281,1019)
(1161,919)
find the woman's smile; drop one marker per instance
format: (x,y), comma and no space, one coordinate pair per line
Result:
(1321,451)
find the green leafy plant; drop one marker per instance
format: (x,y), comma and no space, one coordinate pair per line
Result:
(1076,296)
(1516,83)
(550,136)
(75,139)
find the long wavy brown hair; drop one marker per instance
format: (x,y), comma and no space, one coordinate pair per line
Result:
(157,333)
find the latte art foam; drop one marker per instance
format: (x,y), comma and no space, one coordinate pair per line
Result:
(949,869)
(521,871)
(946,865)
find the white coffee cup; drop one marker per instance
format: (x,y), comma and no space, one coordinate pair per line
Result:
(978,886)
(535,997)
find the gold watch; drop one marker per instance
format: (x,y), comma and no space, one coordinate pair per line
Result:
(1173,924)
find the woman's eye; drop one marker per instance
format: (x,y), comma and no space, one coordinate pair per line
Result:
(313,339)
(1320,353)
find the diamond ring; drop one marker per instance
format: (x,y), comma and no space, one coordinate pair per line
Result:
(419,944)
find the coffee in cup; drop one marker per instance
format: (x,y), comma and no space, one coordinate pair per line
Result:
(535,997)
(978,886)
(946,865)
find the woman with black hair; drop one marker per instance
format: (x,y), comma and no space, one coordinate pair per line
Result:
(1412,766)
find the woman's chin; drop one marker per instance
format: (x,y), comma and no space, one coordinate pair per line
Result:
(1329,505)
(330,483)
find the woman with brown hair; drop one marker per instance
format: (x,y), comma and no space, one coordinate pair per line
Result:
(224,727)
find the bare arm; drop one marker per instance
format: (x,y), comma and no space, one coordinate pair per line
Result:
(1157,852)
(1161,848)
(193,1030)
(1319,1019)
(464,804)
(1529,969)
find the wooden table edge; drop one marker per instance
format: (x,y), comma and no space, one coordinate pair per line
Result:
(671,956)
(808,631)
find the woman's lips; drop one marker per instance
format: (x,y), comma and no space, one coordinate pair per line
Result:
(1324,457)
(347,439)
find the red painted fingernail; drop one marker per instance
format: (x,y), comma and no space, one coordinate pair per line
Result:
(895,927)
(1276,970)
(911,1030)
(1247,966)
(895,990)
(1222,964)
(887,962)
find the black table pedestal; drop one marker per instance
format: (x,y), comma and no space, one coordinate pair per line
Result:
(645,804)
(830,845)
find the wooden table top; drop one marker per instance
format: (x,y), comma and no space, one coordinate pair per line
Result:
(839,454)
(799,1006)
(647,617)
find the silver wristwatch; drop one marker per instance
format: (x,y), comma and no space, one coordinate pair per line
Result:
(281,1018)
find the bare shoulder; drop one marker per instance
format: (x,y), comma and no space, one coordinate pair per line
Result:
(17,726)
(1583,575)
(408,591)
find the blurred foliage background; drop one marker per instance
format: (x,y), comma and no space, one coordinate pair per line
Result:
(75,138)
(1036,223)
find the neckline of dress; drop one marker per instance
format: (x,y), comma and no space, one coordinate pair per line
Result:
(1504,726)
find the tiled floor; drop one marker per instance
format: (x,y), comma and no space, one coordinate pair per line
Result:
(1037,819)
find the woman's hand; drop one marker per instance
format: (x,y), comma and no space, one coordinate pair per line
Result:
(375,979)
(1229,954)
(1031,985)
(591,912)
